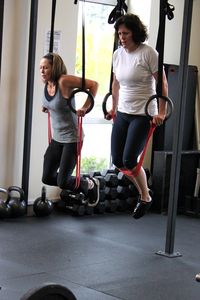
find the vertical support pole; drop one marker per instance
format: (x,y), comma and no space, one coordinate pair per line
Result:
(178,133)
(29,97)
(1,29)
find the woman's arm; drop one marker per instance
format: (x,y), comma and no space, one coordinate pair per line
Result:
(158,119)
(67,83)
(115,98)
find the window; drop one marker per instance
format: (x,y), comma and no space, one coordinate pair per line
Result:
(99,40)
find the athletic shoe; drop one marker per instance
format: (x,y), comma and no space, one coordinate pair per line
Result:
(93,194)
(142,207)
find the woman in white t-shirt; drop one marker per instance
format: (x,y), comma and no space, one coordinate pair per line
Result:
(135,72)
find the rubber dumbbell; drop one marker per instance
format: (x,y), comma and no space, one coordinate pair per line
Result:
(110,205)
(123,180)
(100,208)
(110,192)
(111,180)
(89,210)
(133,190)
(102,181)
(123,192)
(72,198)
(131,203)
(109,171)
(95,173)
(77,210)
(102,195)
(121,204)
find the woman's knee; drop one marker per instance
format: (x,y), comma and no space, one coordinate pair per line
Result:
(64,182)
(117,163)
(130,164)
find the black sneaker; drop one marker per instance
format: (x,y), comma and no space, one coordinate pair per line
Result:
(93,194)
(142,207)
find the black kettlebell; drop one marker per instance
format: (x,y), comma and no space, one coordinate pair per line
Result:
(42,207)
(4,206)
(17,204)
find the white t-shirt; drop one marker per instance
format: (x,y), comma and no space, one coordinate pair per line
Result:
(134,72)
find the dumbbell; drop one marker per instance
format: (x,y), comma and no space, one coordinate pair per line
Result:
(110,205)
(95,173)
(109,171)
(102,195)
(122,179)
(121,204)
(72,198)
(110,192)
(123,192)
(76,209)
(111,180)
(102,181)
(131,202)
(100,208)
(133,190)
(89,210)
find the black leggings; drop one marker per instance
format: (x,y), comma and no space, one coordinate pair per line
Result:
(58,166)
(128,138)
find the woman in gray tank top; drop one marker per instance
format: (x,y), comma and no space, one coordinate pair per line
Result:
(61,153)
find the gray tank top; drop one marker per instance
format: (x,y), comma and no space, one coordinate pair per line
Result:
(63,121)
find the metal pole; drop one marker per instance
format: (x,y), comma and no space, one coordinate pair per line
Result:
(1,29)
(178,133)
(29,97)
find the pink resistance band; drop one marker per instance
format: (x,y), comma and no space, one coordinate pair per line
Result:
(49,128)
(138,167)
(79,146)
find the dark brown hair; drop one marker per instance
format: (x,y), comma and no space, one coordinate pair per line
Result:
(135,25)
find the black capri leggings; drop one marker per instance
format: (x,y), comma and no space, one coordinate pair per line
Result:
(58,166)
(128,138)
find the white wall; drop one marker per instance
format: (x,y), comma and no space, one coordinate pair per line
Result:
(12,90)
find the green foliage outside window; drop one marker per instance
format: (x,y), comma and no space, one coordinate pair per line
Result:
(89,164)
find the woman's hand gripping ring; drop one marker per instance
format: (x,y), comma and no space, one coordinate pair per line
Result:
(170,106)
(108,115)
(71,100)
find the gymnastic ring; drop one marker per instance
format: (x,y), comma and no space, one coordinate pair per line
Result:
(91,97)
(105,112)
(167,99)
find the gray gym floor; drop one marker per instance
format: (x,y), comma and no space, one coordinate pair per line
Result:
(100,257)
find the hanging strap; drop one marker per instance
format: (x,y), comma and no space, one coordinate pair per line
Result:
(80,119)
(51,43)
(53,11)
(166,9)
(49,128)
(79,147)
(120,9)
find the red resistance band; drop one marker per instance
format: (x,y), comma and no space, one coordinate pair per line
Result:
(49,128)
(79,146)
(138,167)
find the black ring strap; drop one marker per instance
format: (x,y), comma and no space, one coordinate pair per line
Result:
(82,89)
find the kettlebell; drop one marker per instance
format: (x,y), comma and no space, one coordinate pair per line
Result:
(17,204)
(4,206)
(42,207)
